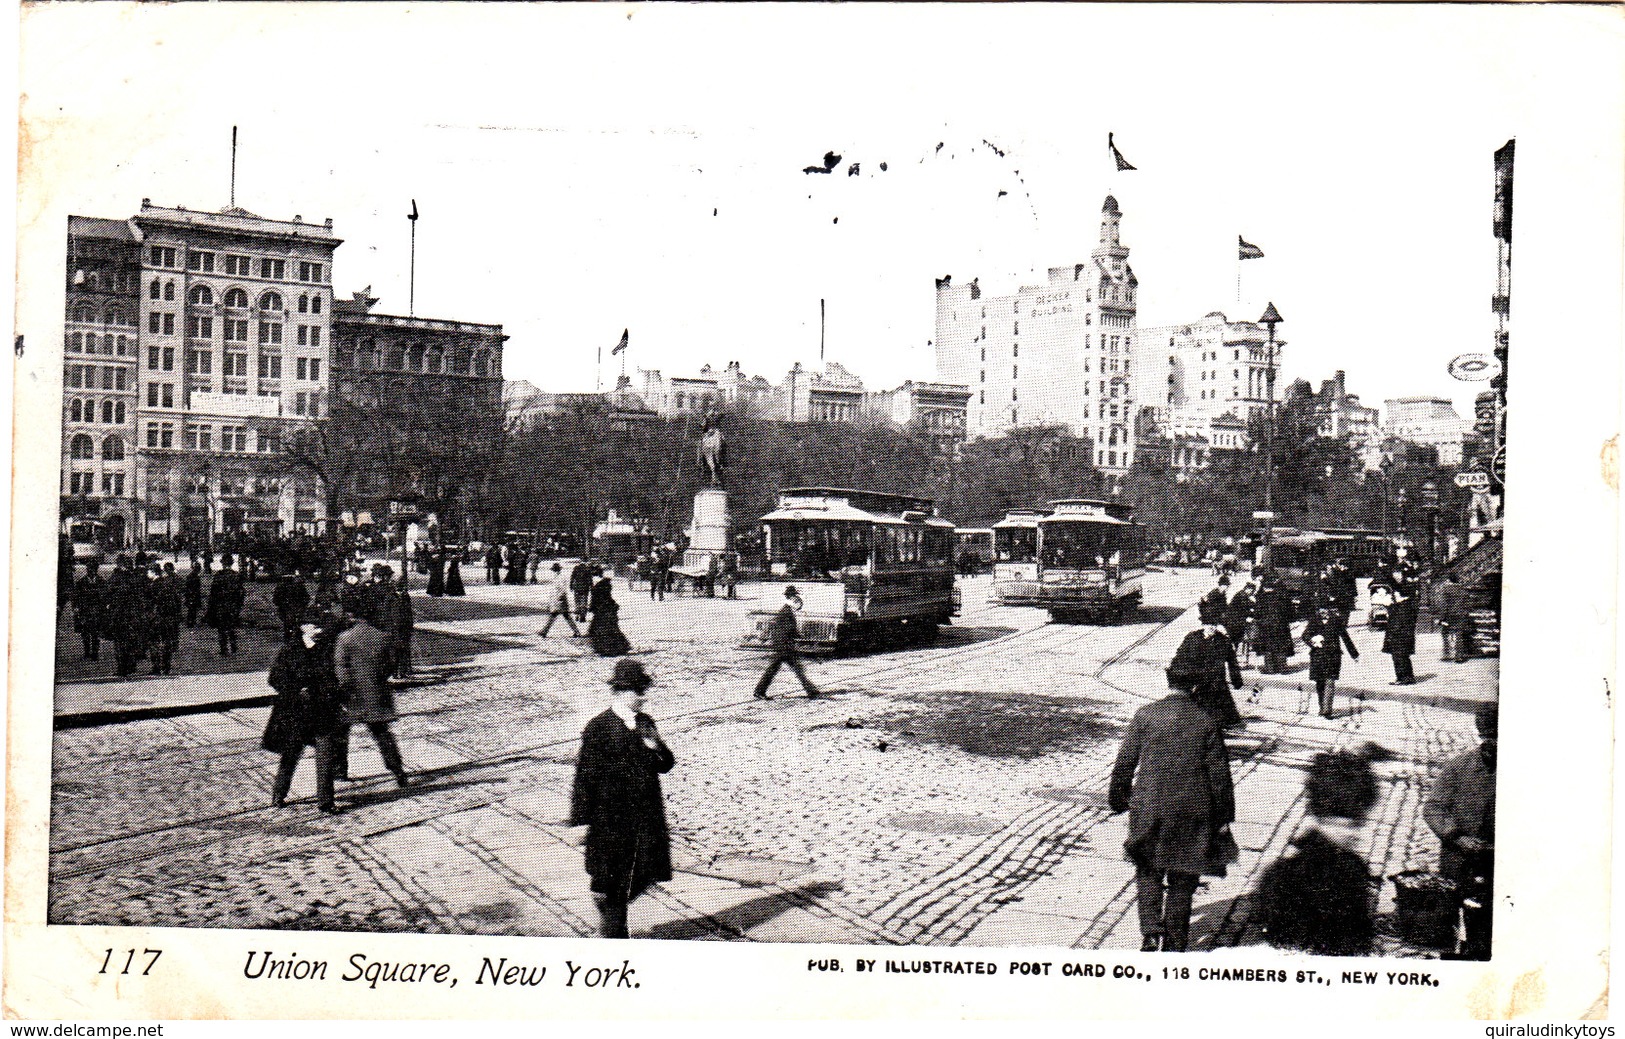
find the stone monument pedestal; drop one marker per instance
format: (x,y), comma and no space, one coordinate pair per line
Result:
(710,534)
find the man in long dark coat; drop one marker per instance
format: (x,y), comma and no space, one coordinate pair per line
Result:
(1399,640)
(1238,622)
(126,615)
(1274,612)
(290,599)
(89,609)
(194,592)
(1173,778)
(307,711)
(493,564)
(1455,620)
(225,609)
(1203,663)
(581,587)
(617,798)
(164,635)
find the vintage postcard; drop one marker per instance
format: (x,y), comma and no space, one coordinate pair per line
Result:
(836,511)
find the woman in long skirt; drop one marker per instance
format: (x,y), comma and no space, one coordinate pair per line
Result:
(454,576)
(605,628)
(437,574)
(1327,635)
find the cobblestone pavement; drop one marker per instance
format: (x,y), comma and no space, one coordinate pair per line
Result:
(942,794)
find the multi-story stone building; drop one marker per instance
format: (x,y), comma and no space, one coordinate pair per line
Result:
(431,387)
(1429,421)
(937,408)
(707,392)
(1064,352)
(1344,418)
(1211,367)
(833,395)
(218,323)
(100,378)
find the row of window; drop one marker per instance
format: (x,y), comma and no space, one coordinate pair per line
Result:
(83,376)
(117,281)
(418,358)
(112,412)
(85,314)
(82,447)
(85,483)
(203,262)
(235,298)
(90,343)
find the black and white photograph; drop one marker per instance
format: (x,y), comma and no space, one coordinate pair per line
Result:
(1000,498)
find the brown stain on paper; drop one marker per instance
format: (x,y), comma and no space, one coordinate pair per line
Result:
(1610,463)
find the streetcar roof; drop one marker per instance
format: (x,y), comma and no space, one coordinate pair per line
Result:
(973,530)
(840,511)
(1088,508)
(871,501)
(1104,521)
(1020,518)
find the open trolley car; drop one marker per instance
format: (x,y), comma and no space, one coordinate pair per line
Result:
(866,564)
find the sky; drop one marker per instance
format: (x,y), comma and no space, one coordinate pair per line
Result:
(580,170)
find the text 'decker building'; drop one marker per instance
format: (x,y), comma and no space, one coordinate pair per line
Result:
(1062,352)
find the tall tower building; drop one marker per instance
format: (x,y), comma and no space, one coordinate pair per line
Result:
(1058,353)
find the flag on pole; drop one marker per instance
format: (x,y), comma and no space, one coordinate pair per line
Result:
(1117,156)
(625,334)
(1246,250)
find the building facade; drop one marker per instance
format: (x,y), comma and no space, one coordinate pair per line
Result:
(833,395)
(1344,418)
(1064,352)
(938,409)
(1429,421)
(432,387)
(218,323)
(1210,367)
(100,376)
(707,392)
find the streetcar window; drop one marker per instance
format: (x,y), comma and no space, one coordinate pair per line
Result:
(815,550)
(1015,544)
(1079,546)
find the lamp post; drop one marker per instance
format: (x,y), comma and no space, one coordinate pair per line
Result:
(1430,511)
(1270,319)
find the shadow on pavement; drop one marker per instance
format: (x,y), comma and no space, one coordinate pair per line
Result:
(737,921)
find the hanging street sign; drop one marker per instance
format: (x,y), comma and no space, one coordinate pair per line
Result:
(1476,482)
(1474,367)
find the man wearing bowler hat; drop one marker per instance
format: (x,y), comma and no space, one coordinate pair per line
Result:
(782,642)
(617,798)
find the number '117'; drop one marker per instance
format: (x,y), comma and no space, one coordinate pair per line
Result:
(129,960)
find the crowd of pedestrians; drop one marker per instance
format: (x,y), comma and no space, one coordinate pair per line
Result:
(1172,776)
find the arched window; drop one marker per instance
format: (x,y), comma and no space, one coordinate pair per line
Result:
(112,317)
(90,342)
(118,413)
(434,360)
(82,315)
(237,298)
(201,296)
(113,449)
(482,363)
(156,289)
(366,355)
(107,412)
(123,344)
(397,357)
(271,301)
(82,447)
(315,304)
(169,290)
(304,304)
(76,410)
(76,340)
(414,357)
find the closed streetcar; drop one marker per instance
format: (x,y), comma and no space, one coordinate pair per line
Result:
(1015,555)
(1091,562)
(867,565)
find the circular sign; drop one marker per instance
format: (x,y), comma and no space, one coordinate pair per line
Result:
(1474,367)
(1498,467)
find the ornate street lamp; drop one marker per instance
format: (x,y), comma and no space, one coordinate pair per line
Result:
(1270,319)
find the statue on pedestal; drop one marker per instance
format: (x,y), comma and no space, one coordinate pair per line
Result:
(713,454)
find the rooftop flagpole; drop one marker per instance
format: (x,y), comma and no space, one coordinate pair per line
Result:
(233,167)
(412,269)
